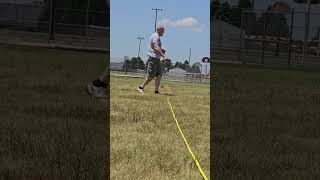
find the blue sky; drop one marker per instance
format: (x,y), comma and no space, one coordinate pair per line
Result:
(187,25)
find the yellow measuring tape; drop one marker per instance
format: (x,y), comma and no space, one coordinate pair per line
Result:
(186,142)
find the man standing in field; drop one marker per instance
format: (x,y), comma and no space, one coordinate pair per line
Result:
(153,65)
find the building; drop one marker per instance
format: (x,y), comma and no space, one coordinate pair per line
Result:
(177,72)
(116,66)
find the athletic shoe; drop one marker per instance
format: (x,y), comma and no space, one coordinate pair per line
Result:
(90,89)
(140,90)
(98,83)
(98,92)
(157,93)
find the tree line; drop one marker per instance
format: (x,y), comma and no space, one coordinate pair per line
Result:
(137,62)
(253,22)
(259,22)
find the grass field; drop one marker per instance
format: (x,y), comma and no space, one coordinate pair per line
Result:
(266,123)
(145,142)
(50,128)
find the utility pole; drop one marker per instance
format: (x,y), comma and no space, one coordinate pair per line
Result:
(155,22)
(140,38)
(318,53)
(189,56)
(306,31)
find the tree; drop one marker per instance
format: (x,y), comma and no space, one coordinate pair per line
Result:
(141,64)
(169,66)
(136,62)
(215,5)
(185,65)
(245,4)
(196,67)
(178,64)
(236,12)
(126,64)
(225,12)
(275,24)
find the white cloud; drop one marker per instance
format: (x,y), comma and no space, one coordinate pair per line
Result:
(189,22)
(198,28)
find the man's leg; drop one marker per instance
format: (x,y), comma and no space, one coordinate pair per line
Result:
(157,83)
(104,76)
(102,79)
(146,82)
(158,79)
(98,87)
(150,75)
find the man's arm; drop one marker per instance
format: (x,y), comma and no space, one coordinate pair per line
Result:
(158,50)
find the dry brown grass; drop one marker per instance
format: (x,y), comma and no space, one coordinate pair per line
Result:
(145,142)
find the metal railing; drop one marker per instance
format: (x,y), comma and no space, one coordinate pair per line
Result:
(71,27)
(265,37)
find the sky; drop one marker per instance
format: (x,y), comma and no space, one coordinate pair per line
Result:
(187,24)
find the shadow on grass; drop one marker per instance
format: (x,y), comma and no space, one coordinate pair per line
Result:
(167,94)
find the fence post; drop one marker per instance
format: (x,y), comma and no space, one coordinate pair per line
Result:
(52,20)
(264,36)
(291,32)
(87,21)
(241,37)
(279,35)
(306,32)
(17,15)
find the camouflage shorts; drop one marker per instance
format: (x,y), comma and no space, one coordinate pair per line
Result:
(153,67)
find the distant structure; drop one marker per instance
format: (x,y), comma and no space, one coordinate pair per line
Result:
(226,35)
(177,72)
(281,6)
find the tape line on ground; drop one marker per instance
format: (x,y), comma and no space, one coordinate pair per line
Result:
(186,142)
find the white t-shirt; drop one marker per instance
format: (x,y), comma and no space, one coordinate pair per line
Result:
(154,38)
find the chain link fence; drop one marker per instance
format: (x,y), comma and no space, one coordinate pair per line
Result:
(120,66)
(31,23)
(255,36)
